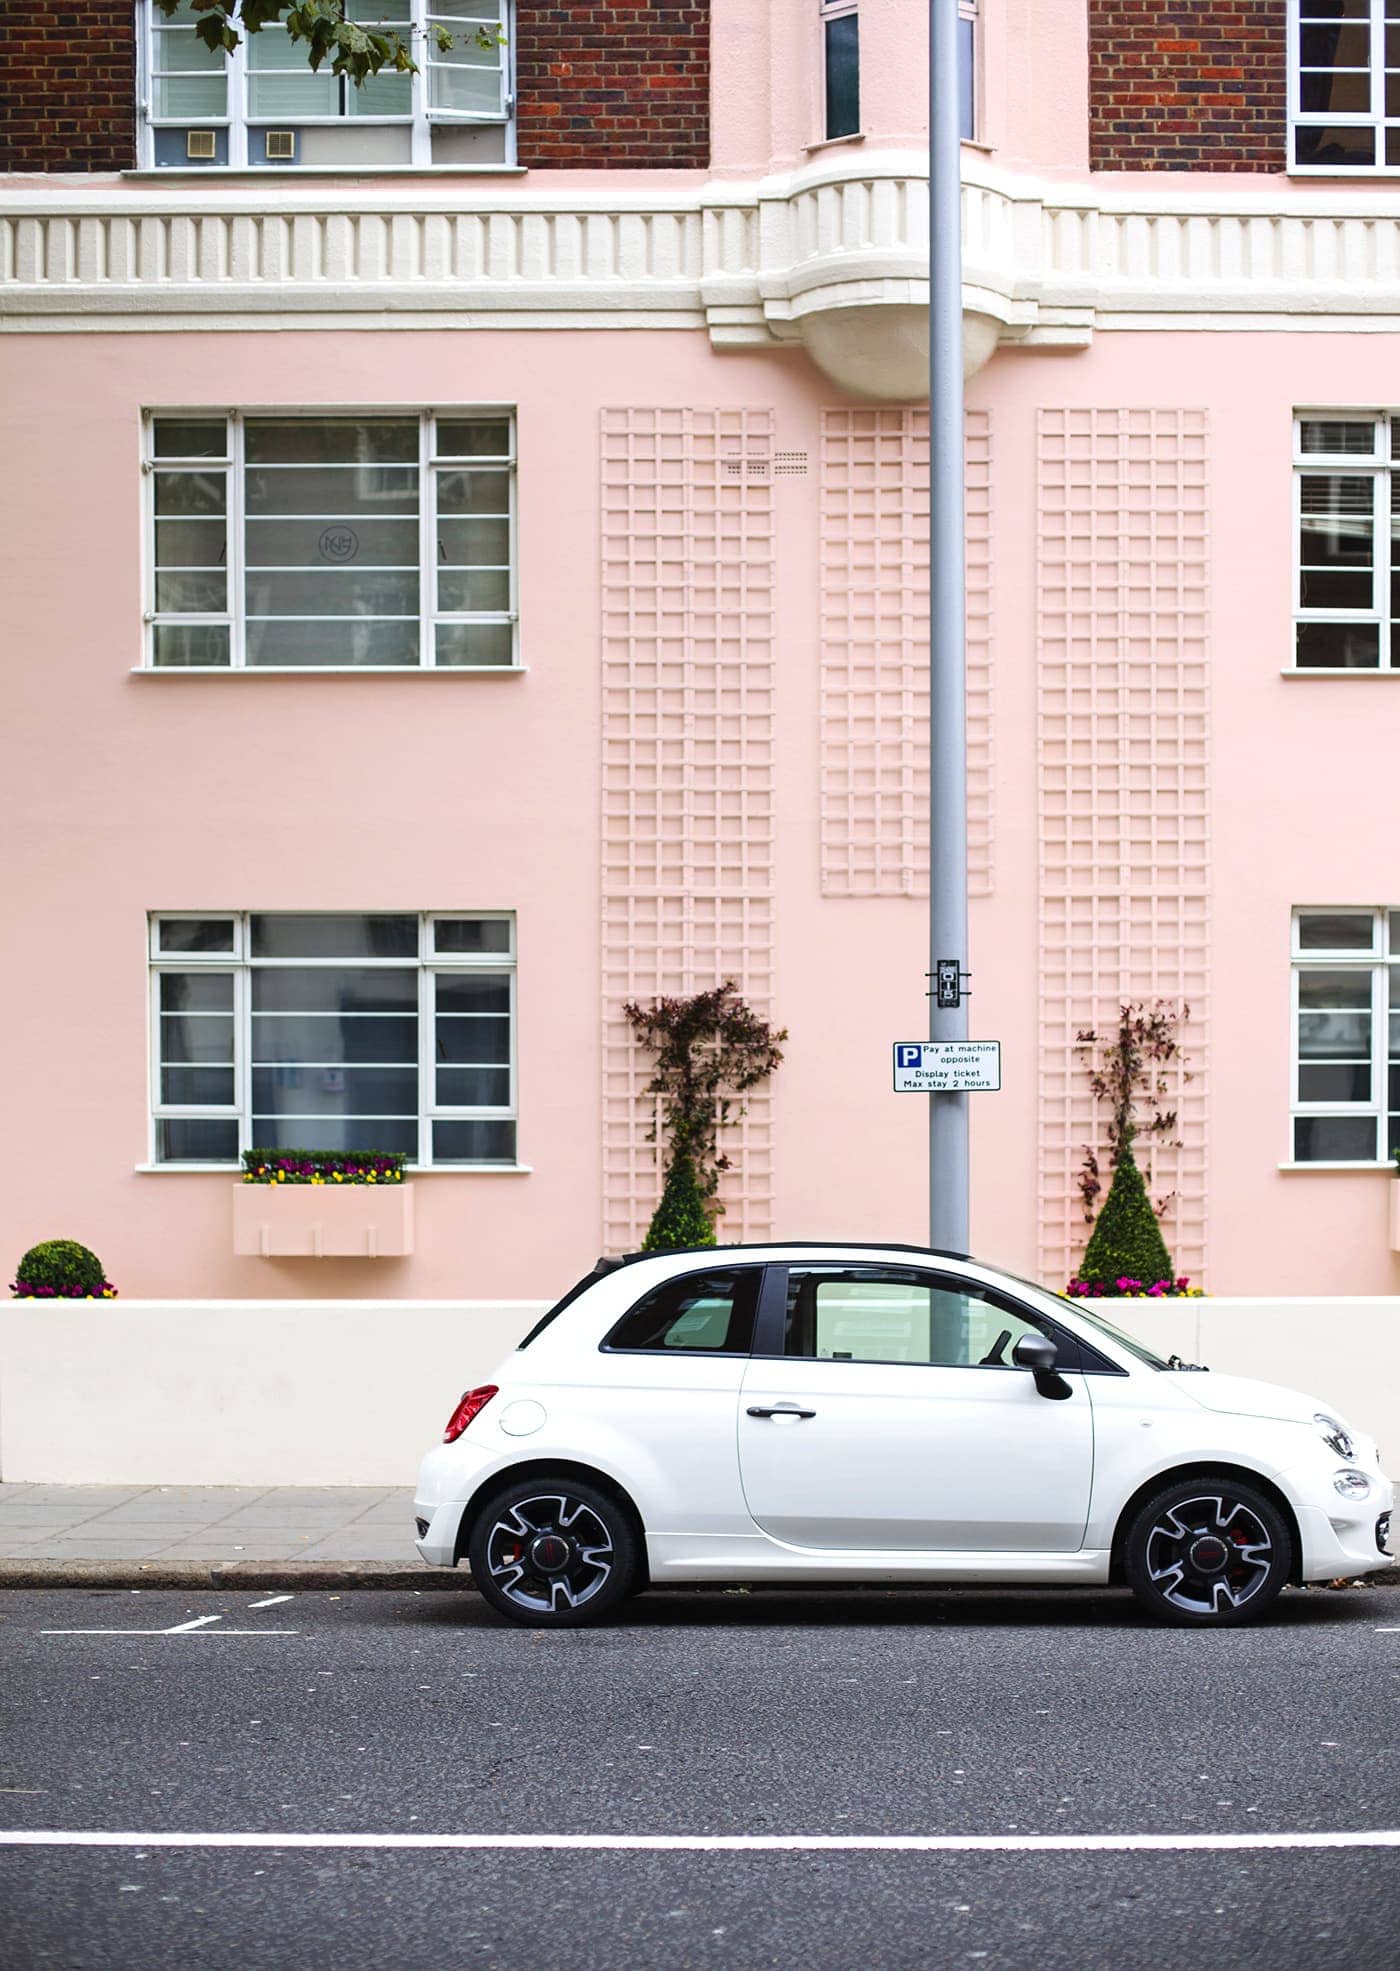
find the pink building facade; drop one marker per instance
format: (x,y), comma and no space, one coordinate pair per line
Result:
(449,597)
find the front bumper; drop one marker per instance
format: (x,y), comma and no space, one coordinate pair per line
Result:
(1343,1536)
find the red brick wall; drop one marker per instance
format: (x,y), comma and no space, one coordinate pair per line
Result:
(68,74)
(1187,85)
(613,82)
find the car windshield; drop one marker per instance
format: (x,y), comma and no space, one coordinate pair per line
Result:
(1081,1308)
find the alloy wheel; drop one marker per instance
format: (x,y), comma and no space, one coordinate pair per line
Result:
(1208,1555)
(549,1553)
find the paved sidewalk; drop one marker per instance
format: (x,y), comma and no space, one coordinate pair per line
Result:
(51,1534)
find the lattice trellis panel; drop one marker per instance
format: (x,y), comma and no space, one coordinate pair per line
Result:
(1123,729)
(874,654)
(688,577)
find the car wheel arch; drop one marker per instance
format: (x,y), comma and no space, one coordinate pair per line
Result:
(551,1468)
(1212,1469)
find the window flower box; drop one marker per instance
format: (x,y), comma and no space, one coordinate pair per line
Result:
(323,1221)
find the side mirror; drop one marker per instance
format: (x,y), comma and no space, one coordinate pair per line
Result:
(1039,1354)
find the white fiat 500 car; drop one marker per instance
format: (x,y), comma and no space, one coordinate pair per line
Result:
(846,1413)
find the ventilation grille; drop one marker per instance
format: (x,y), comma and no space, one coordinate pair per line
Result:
(200,143)
(282,143)
(764,465)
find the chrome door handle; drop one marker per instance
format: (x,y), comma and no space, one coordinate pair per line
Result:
(779,1410)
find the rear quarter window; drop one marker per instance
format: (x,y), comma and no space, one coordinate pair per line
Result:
(700,1314)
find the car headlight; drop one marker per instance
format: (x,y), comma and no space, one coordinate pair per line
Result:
(1335,1435)
(1353,1484)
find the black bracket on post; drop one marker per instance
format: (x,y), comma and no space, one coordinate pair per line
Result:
(951,985)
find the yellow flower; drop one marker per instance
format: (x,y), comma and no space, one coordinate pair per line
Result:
(340,1177)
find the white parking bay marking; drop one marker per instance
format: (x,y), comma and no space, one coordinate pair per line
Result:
(918,1844)
(271,1601)
(199,1622)
(198,1626)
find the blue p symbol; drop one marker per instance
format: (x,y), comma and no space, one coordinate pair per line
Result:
(909,1057)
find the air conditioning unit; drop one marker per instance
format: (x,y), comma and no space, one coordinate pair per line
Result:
(282,144)
(201,144)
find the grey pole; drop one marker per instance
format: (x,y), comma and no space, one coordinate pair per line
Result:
(947,1132)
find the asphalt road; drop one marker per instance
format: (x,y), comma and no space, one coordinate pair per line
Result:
(896,1714)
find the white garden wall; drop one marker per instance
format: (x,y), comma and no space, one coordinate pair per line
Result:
(321,1392)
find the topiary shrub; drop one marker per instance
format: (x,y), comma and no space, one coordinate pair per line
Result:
(681,1218)
(61,1269)
(1127,1242)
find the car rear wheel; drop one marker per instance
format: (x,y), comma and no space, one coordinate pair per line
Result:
(553,1553)
(1208,1553)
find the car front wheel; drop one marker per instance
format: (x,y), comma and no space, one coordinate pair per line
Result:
(553,1553)
(1208,1553)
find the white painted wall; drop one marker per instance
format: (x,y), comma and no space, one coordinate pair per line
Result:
(329,1392)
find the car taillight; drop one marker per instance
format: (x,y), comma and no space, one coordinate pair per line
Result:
(471,1403)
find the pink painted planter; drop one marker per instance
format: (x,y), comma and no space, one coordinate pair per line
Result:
(323,1221)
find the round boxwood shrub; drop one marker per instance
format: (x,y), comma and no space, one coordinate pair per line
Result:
(61,1269)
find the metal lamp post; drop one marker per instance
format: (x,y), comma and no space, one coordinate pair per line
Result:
(948,1112)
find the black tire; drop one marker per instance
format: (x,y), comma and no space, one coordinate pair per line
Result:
(1208,1553)
(553,1552)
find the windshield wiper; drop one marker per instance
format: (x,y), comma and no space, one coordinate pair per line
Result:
(1175,1362)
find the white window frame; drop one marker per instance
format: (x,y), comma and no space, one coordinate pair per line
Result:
(1375,120)
(237,121)
(969,10)
(430,464)
(1378,466)
(430,964)
(828,11)
(1375,962)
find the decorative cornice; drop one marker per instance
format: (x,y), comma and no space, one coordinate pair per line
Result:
(811,255)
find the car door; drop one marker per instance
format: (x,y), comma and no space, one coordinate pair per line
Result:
(882,1409)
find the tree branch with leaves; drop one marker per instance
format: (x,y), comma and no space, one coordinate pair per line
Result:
(352,48)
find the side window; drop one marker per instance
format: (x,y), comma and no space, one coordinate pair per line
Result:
(880,1314)
(700,1313)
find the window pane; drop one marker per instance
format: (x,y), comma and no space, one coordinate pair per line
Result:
(1336,930)
(473,1088)
(334,1037)
(1332,991)
(480,1042)
(190,438)
(476,437)
(709,1311)
(1335,1084)
(203,1088)
(189,98)
(333,989)
(1338,435)
(385,94)
(1338,646)
(196,992)
(329,1132)
(1334,1036)
(195,934)
(190,492)
(466,80)
(1336,589)
(488,590)
(1343,92)
(474,1142)
(365,542)
(1345,43)
(196,1039)
(346,592)
(473,543)
(292,94)
(334,492)
(189,645)
(180,49)
(469,934)
(327,935)
(331,440)
(191,543)
(1334,144)
(465,646)
(187,1139)
(1334,1139)
(843,76)
(335,1090)
(344,642)
(473,992)
(201,591)
(485,491)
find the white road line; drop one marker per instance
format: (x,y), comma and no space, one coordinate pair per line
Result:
(271,1601)
(195,1635)
(199,1622)
(920,1844)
